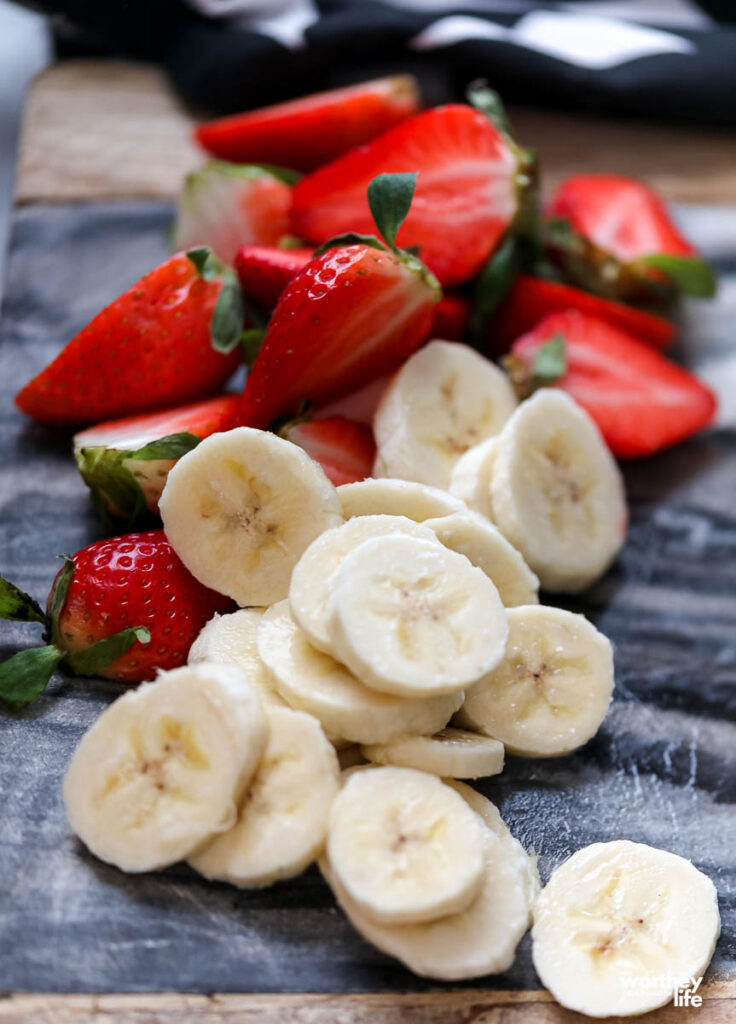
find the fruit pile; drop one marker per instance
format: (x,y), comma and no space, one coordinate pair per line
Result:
(352,548)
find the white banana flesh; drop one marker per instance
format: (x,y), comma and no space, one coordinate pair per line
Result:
(412,618)
(314,573)
(451,753)
(445,399)
(161,771)
(556,492)
(242,507)
(404,846)
(471,477)
(232,640)
(619,925)
(314,682)
(282,821)
(396,498)
(552,689)
(486,547)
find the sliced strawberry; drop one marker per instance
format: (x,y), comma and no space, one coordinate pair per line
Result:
(532,298)
(125,463)
(451,315)
(641,401)
(465,196)
(344,449)
(313,130)
(170,338)
(359,405)
(225,206)
(265,271)
(352,314)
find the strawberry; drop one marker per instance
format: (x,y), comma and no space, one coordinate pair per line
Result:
(359,406)
(466,193)
(125,463)
(356,311)
(265,271)
(641,401)
(313,130)
(225,206)
(532,298)
(344,449)
(121,608)
(451,315)
(170,338)
(614,236)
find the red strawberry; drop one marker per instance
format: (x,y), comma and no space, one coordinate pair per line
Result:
(311,131)
(359,405)
(225,206)
(265,271)
(451,315)
(170,338)
(344,449)
(465,196)
(531,298)
(125,463)
(121,608)
(641,401)
(355,312)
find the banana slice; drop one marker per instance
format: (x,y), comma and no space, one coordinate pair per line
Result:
(451,753)
(619,926)
(552,690)
(445,399)
(313,576)
(242,507)
(412,618)
(471,477)
(486,547)
(282,823)
(556,492)
(231,640)
(161,771)
(396,498)
(312,681)
(405,847)
(481,940)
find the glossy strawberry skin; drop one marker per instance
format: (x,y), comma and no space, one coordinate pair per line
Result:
(148,349)
(310,131)
(198,418)
(465,195)
(451,315)
(532,298)
(344,449)
(641,401)
(351,315)
(136,580)
(264,271)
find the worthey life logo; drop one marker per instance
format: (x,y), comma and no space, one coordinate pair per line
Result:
(685,993)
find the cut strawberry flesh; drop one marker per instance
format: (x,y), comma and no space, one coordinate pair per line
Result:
(344,449)
(198,418)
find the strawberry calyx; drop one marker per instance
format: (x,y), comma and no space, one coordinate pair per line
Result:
(389,198)
(547,367)
(25,675)
(226,324)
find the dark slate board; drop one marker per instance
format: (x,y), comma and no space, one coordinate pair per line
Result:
(661,770)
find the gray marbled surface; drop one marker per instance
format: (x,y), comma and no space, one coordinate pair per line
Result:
(662,770)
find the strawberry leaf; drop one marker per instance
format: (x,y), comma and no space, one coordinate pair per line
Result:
(493,283)
(92,660)
(26,674)
(692,275)
(389,198)
(250,344)
(204,262)
(550,363)
(480,95)
(57,597)
(172,446)
(18,606)
(115,492)
(226,325)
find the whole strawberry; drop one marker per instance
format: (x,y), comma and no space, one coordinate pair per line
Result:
(122,608)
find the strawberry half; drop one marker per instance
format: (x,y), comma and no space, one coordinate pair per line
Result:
(344,449)
(613,235)
(264,271)
(125,463)
(224,206)
(313,130)
(465,193)
(355,312)
(451,315)
(641,401)
(532,298)
(170,338)
(121,608)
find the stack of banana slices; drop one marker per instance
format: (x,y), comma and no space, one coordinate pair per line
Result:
(392,629)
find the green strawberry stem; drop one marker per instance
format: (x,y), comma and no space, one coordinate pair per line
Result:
(18,606)
(550,364)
